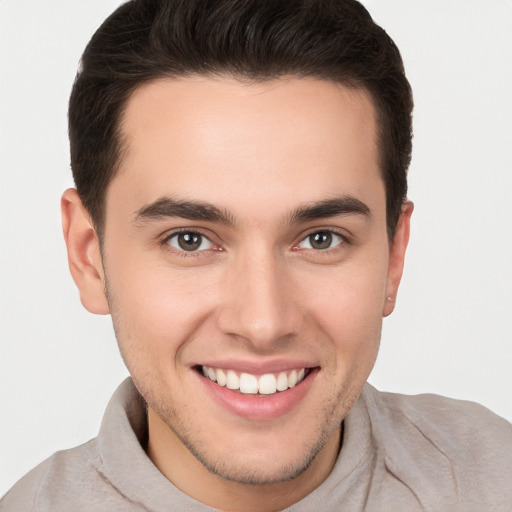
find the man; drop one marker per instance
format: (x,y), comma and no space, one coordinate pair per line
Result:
(241,213)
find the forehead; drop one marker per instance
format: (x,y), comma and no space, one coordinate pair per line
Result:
(219,140)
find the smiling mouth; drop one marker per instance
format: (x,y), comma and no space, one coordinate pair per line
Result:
(249,384)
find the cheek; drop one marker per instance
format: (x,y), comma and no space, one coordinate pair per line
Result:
(156,312)
(348,307)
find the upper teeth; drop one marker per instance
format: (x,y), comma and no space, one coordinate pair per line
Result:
(266,384)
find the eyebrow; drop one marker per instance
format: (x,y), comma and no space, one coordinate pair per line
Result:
(345,205)
(167,207)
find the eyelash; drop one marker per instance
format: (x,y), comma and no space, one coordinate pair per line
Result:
(165,241)
(182,252)
(344,240)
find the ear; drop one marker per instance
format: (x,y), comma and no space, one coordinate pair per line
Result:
(84,257)
(397,257)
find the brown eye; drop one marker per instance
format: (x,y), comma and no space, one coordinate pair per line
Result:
(189,241)
(321,241)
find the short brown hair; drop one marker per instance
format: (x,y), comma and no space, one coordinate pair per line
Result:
(255,40)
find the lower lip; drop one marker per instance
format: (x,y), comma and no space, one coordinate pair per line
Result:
(259,407)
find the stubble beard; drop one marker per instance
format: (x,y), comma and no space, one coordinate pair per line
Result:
(333,413)
(231,469)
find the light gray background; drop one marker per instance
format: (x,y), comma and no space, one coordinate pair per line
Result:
(452,330)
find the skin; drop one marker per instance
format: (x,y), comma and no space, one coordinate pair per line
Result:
(257,290)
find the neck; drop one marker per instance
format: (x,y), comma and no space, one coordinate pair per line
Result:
(187,473)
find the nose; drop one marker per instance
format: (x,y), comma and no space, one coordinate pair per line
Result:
(259,304)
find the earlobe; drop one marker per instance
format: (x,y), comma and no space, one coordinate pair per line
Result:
(84,257)
(397,257)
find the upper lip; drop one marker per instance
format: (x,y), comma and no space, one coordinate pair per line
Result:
(259,367)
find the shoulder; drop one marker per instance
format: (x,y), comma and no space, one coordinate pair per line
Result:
(445,418)
(64,471)
(66,480)
(453,444)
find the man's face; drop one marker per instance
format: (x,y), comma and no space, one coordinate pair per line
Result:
(245,239)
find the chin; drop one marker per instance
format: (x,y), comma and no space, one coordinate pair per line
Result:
(251,469)
(257,462)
